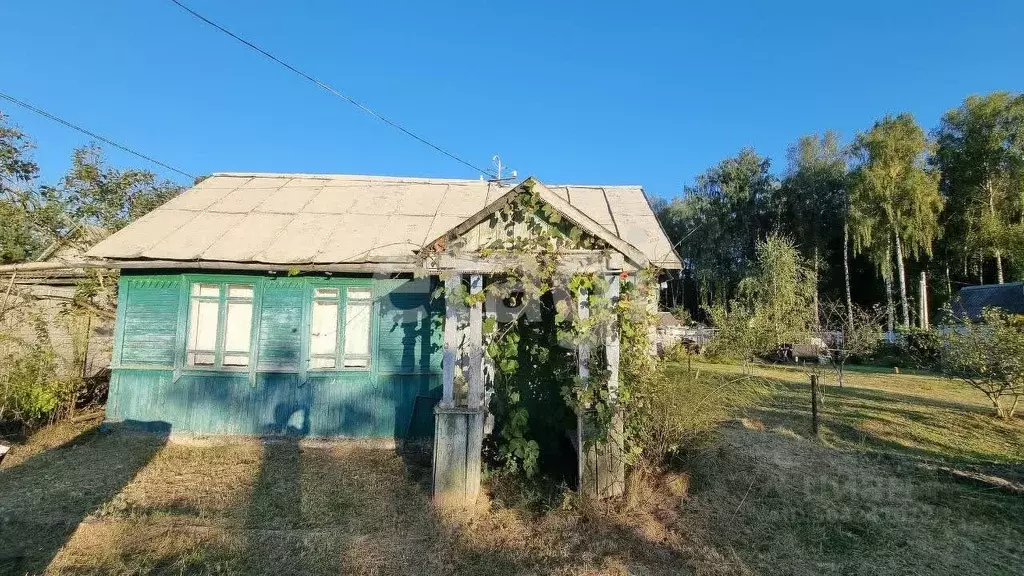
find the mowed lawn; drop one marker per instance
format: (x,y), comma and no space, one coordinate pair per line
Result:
(911,475)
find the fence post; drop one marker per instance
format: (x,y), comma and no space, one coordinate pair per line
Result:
(814,404)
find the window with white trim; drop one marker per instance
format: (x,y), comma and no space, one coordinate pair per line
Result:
(219,325)
(340,339)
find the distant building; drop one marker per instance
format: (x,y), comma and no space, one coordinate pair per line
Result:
(37,305)
(970,301)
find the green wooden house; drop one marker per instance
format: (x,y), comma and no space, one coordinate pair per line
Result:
(263,304)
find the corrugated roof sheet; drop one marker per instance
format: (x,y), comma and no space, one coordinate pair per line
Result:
(970,301)
(336,219)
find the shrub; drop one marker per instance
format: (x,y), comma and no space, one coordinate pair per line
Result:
(989,357)
(920,348)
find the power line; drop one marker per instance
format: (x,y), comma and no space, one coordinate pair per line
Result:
(46,114)
(328,88)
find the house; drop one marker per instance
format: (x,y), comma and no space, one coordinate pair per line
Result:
(970,301)
(36,308)
(302,304)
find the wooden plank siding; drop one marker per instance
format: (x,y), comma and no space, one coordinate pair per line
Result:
(277,394)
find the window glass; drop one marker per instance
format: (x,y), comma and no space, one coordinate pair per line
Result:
(323,343)
(240,291)
(237,332)
(212,290)
(325,293)
(203,332)
(357,327)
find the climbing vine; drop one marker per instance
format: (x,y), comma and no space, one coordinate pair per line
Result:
(537,392)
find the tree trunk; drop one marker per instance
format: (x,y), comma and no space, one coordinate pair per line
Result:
(992,211)
(846,274)
(903,282)
(949,285)
(817,306)
(890,324)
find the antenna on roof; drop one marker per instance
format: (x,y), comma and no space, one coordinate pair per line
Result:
(498,168)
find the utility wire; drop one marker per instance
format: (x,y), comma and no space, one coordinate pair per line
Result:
(46,114)
(328,88)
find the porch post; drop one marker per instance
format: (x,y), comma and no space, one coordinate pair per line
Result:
(601,465)
(611,341)
(458,430)
(475,377)
(451,342)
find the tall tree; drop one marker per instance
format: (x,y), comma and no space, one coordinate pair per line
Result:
(894,195)
(731,205)
(813,200)
(979,156)
(17,174)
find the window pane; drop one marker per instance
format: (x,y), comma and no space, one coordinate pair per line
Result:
(236,359)
(206,290)
(325,293)
(357,362)
(239,325)
(200,359)
(322,362)
(203,326)
(357,328)
(359,294)
(240,291)
(324,328)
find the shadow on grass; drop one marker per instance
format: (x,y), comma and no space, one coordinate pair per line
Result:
(45,498)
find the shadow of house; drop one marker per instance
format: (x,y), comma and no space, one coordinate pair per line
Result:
(37,518)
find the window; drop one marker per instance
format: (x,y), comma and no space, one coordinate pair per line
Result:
(352,349)
(220,325)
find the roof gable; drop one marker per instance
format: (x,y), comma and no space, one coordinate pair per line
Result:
(483,223)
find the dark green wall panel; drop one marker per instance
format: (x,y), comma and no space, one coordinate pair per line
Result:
(281,324)
(150,321)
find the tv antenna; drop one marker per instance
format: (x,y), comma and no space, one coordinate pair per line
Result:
(498,168)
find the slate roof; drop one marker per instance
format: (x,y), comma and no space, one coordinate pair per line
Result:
(971,300)
(297,219)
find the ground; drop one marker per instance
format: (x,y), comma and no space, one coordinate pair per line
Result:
(911,475)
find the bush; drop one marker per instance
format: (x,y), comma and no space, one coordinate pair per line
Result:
(679,407)
(35,388)
(920,348)
(990,358)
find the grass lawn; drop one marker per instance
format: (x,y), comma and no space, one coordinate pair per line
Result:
(911,475)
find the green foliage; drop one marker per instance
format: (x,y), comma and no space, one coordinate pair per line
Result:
(989,356)
(981,156)
(919,347)
(775,304)
(718,221)
(92,195)
(894,197)
(33,388)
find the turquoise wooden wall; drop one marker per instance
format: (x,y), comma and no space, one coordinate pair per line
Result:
(276,394)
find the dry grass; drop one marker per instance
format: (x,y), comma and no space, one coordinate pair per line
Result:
(128,503)
(874,496)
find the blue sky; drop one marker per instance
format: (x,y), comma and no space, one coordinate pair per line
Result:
(573,92)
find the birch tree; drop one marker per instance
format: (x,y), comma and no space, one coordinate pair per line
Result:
(895,195)
(980,146)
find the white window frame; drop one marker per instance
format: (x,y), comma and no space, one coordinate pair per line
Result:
(223,299)
(341,299)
